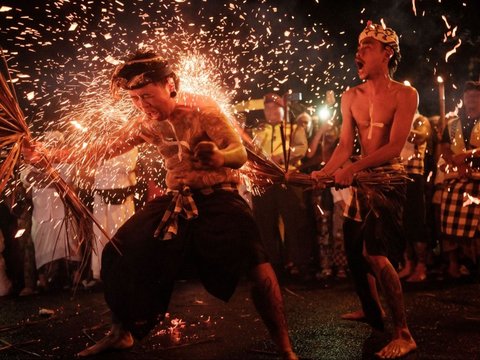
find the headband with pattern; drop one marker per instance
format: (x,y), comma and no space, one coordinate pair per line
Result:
(154,68)
(383,34)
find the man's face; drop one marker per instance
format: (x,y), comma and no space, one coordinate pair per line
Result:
(153,100)
(471,99)
(371,56)
(273,113)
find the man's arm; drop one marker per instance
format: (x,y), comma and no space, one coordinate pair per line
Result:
(225,149)
(122,142)
(458,162)
(299,145)
(420,132)
(313,146)
(446,153)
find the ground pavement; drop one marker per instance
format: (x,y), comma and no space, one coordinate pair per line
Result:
(444,318)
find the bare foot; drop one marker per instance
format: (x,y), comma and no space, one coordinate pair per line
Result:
(406,271)
(419,274)
(117,339)
(26,291)
(289,355)
(454,272)
(417,277)
(358,315)
(397,348)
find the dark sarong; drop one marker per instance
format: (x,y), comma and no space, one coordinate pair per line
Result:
(221,243)
(380,233)
(376,219)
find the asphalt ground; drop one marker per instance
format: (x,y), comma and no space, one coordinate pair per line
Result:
(444,317)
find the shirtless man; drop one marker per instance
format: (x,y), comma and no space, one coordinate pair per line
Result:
(381,110)
(201,219)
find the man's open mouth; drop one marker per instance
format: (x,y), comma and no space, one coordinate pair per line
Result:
(359,64)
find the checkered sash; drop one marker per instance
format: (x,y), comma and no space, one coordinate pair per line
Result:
(460,216)
(352,207)
(182,204)
(357,204)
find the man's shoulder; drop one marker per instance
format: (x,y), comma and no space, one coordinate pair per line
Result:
(402,89)
(188,102)
(353,93)
(355,90)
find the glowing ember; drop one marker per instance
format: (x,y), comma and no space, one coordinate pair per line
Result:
(320,209)
(470,200)
(453,51)
(231,51)
(446,21)
(19,233)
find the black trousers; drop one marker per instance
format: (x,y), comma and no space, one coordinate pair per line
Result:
(220,243)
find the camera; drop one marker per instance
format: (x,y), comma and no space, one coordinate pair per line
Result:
(293,97)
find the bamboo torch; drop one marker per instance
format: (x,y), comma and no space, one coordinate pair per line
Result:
(441,100)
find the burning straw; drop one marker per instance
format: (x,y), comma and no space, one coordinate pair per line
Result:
(13,134)
(13,128)
(264,172)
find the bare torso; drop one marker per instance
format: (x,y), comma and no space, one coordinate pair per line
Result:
(373,116)
(382,113)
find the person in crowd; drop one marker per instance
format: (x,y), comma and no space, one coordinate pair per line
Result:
(114,188)
(328,203)
(414,215)
(281,211)
(57,248)
(8,258)
(5,283)
(23,213)
(432,199)
(18,264)
(339,258)
(381,110)
(460,213)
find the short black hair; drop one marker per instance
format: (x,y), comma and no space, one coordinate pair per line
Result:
(394,60)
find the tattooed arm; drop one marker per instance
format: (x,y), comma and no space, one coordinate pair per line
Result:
(225,149)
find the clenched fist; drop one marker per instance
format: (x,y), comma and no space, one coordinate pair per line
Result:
(207,155)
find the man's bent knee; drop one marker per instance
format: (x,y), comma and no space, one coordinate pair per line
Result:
(377,262)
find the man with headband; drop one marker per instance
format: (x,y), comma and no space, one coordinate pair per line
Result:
(202,219)
(381,111)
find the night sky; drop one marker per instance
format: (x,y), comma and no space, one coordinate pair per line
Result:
(56,48)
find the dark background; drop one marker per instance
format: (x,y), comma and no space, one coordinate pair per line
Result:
(246,40)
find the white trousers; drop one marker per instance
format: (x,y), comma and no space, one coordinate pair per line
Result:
(110,217)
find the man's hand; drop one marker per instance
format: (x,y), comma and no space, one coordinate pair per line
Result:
(459,159)
(343,177)
(207,155)
(34,153)
(463,170)
(318,177)
(279,159)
